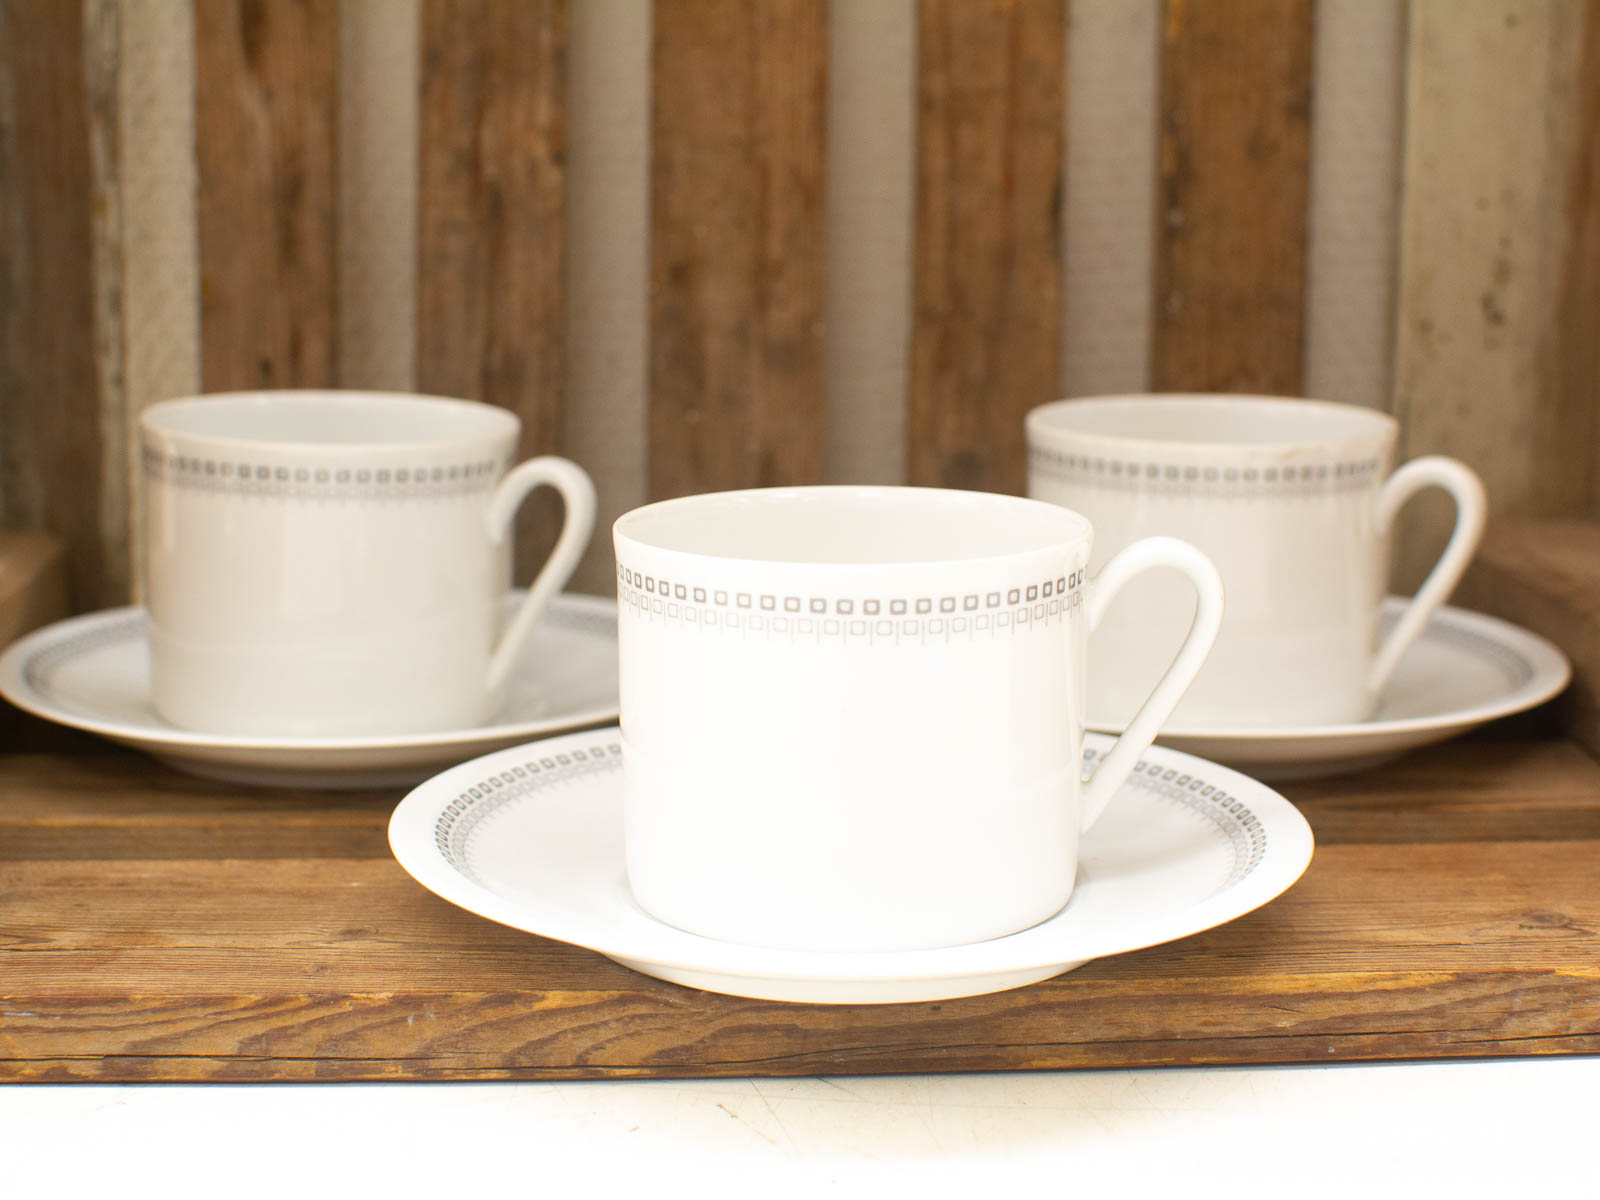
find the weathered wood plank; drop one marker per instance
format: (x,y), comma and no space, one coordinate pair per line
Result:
(1231,217)
(986,326)
(50,439)
(1499,285)
(1464,791)
(266,132)
(33,592)
(736,244)
(1078,1021)
(608,267)
(1297,982)
(1353,234)
(1526,905)
(1544,574)
(872,121)
(1113,65)
(160,251)
(217,961)
(491,219)
(378,181)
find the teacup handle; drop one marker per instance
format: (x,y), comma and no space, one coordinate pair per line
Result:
(1133,560)
(577,493)
(1471,509)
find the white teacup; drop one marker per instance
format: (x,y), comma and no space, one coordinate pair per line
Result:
(852,717)
(1293,501)
(337,563)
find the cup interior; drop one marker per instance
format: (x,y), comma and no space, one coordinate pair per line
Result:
(878,525)
(1212,420)
(305,418)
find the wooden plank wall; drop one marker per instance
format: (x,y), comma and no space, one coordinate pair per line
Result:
(703,244)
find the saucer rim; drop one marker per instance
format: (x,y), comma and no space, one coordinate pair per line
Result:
(16,689)
(1289,839)
(1552,672)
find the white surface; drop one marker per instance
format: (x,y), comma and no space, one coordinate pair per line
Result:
(532,837)
(1464,670)
(1493,1128)
(1291,499)
(93,673)
(867,661)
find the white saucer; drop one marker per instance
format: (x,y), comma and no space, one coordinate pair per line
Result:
(531,837)
(1465,670)
(93,673)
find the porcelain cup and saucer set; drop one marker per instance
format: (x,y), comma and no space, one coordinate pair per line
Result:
(830,744)
(327,595)
(1316,671)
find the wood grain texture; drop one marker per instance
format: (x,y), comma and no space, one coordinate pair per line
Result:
(33,592)
(1499,284)
(736,244)
(33,584)
(102,67)
(158,927)
(1577,372)
(266,133)
(50,442)
(491,221)
(1544,574)
(986,326)
(1231,215)
(608,267)
(160,251)
(378,180)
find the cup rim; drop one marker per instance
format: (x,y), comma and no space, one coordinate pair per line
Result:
(1044,424)
(1071,526)
(495,422)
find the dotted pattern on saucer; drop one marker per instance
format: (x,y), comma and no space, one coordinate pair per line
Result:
(481,801)
(1232,816)
(452,831)
(1189,479)
(38,670)
(885,620)
(375,482)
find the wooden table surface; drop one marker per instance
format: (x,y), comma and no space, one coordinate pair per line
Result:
(157,927)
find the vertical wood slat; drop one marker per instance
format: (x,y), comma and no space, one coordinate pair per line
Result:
(50,444)
(608,266)
(266,132)
(737,246)
(1113,64)
(101,65)
(872,120)
(1357,127)
(1499,288)
(1231,214)
(159,272)
(378,97)
(1578,367)
(491,221)
(986,336)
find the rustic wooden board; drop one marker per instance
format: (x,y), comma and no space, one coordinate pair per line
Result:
(491,217)
(736,244)
(158,927)
(49,387)
(33,588)
(266,130)
(1545,576)
(986,322)
(1231,216)
(1499,282)
(33,592)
